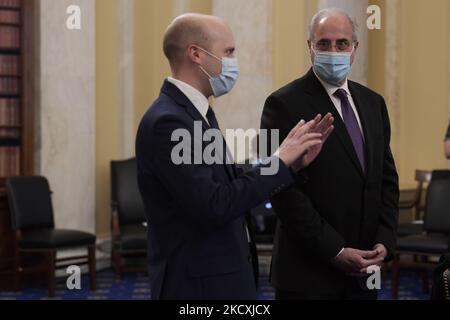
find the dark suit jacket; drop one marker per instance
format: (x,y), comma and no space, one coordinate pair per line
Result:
(334,204)
(198,246)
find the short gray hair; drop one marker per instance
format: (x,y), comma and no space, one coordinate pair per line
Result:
(328,12)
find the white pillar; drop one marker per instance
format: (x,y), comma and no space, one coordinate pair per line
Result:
(392,68)
(67,116)
(126,78)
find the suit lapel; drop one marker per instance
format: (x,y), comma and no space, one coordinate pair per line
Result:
(172,91)
(323,104)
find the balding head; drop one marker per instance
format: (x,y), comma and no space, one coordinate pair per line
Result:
(340,16)
(190,29)
(195,44)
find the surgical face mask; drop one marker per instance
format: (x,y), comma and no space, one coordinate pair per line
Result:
(225,81)
(332,67)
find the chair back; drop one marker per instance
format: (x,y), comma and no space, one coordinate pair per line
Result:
(441,174)
(30,202)
(437,213)
(125,192)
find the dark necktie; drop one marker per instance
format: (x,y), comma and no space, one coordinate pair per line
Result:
(210,115)
(352,126)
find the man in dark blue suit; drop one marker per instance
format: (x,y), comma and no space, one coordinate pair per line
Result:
(198,241)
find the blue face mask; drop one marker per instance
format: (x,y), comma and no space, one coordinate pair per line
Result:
(225,81)
(332,67)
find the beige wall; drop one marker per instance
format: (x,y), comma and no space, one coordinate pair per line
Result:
(290,51)
(424,76)
(421,111)
(200,6)
(151,19)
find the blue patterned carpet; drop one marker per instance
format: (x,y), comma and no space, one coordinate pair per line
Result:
(136,287)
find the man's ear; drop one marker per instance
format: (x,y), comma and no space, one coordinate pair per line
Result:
(309,47)
(311,53)
(193,54)
(352,58)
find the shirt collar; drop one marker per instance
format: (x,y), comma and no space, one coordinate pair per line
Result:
(196,97)
(331,89)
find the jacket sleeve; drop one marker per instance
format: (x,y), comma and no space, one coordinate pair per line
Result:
(194,187)
(303,225)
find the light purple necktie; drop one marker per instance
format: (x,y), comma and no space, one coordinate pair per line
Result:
(352,127)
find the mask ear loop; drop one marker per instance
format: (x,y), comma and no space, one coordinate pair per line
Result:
(209,53)
(212,55)
(353,50)
(204,71)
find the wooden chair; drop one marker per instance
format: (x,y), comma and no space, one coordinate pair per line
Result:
(436,239)
(416,206)
(33,224)
(128,222)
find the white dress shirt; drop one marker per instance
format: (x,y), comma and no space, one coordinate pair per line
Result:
(331,89)
(196,97)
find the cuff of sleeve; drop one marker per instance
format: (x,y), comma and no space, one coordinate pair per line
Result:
(388,239)
(339,253)
(331,246)
(284,171)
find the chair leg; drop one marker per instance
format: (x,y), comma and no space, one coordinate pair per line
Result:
(117,258)
(425,283)
(92,268)
(51,281)
(394,278)
(17,271)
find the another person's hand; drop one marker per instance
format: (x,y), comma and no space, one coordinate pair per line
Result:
(325,127)
(355,262)
(304,142)
(381,250)
(381,254)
